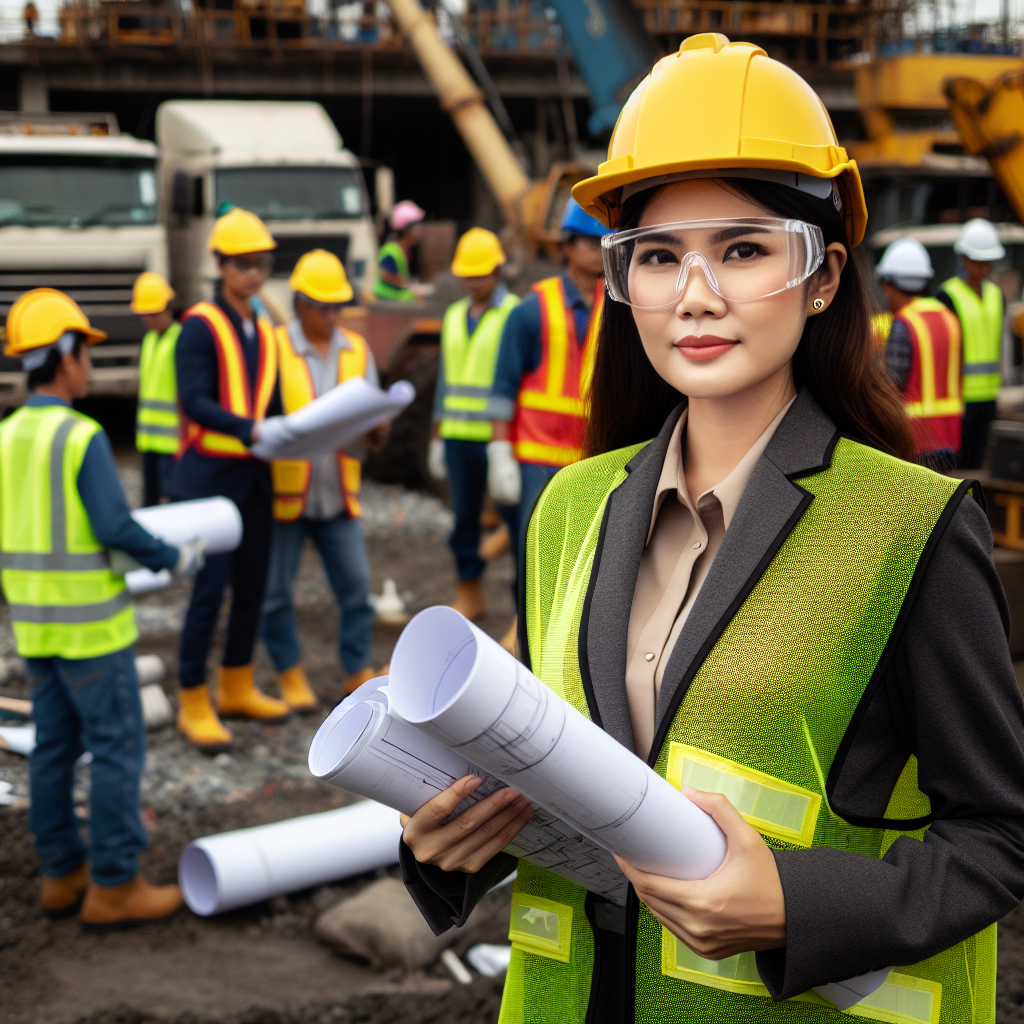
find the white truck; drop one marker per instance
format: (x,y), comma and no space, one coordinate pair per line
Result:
(285,162)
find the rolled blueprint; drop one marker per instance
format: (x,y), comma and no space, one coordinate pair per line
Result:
(336,419)
(235,869)
(459,686)
(364,747)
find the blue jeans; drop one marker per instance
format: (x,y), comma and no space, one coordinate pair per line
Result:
(87,704)
(535,478)
(342,547)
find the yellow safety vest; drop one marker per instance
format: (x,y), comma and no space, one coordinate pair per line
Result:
(156,424)
(64,600)
(469,365)
(981,323)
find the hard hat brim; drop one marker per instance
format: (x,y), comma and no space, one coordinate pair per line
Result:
(981,255)
(342,295)
(93,336)
(144,310)
(476,269)
(247,251)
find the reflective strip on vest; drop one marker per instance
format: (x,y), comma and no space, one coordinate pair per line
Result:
(929,405)
(981,327)
(236,394)
(541,926)
(157,428)
(881,325)
(291,477)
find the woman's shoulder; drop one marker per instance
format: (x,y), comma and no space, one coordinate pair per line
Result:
(590,480)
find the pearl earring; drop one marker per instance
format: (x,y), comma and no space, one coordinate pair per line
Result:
(818,303)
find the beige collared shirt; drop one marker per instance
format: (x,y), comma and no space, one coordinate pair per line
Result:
(682,541)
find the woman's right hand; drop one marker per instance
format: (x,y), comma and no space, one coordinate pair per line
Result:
(469,841)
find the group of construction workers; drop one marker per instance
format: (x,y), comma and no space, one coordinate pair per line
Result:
(945,353)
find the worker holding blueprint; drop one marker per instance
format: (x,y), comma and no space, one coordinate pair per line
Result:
(765,654)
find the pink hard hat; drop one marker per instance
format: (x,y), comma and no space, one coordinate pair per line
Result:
(406,213)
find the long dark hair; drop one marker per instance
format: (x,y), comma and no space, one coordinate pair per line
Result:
(836,358)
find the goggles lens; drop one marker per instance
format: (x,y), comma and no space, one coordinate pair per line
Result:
(263,261)
(741,260)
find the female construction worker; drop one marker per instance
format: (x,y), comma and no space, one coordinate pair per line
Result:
(393,258)
(768,600)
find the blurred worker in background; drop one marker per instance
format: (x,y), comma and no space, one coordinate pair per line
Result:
(61,509)
(156,422)
(226,364)
(394,255)
(923,352)
(319,498)
(464,406)
(978,305)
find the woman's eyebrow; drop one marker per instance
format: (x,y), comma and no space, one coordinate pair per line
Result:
(663,237)
(747,229)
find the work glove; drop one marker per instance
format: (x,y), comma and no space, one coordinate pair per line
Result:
(191,557)
(504,482)
(435,459)
(271,431)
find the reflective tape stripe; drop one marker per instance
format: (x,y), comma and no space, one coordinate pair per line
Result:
(156,431)
(936,407)
(465,391)
(565,404)
(70,613)
(974,369)
(58,520)
(546,454)
(37,561)
(476,415)
(155,403)
(541,926)
(773,807)
(903,999)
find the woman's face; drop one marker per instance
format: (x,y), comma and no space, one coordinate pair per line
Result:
(705,346)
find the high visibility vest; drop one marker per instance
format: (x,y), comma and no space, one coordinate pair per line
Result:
(156,423)
(64,600)
(805,644)
(551,409)
(932,392)
(236,393)
(469,364)
(291,477)
(384,289)
(981,324)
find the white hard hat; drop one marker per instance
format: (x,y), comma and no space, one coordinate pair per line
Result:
(978,241)
(906,264)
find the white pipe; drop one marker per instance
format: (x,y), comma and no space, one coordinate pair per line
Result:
(235,869)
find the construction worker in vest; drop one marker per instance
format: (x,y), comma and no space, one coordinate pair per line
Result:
(226,365)
(394,255)
(62,510)
(156,422)
(922,353)
(547,352)
(464,406)
(319,499)
(978,305)
(750,584)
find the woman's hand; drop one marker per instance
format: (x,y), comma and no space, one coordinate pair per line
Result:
(737,909)
(475,836)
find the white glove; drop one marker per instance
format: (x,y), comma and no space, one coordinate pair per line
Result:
(191,557)
(435,459)
(271,431)
(504,482)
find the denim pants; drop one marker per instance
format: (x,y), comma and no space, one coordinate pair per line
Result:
(87,704)
(156,476)
(535,478)
(342,548)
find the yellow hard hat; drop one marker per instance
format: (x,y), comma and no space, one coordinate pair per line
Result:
(40,317)
(478,254)
(151,294)
(320,275)
(239,232)
(716,104)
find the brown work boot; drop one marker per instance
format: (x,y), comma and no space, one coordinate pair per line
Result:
(199,723)
(469,599)
(295,690)
(495,544)
(364,675)
(122,906)
(237,696)
(61,897)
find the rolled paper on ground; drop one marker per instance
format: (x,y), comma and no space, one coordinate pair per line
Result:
(235,869)
(215,520)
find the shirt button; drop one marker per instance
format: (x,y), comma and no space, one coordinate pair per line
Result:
(649,657)
(697,546)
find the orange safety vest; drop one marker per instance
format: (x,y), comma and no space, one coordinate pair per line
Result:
(932,392)
(551,409)
(292,476)
(236,393)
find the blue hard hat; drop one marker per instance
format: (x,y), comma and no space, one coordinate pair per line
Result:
(576,222)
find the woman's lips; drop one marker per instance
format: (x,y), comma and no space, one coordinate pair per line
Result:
(704,348)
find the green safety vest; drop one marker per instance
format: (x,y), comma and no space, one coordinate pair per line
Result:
(981,324)
(383,289)
(156,423)
(64,600)
(761,722)
(469,364)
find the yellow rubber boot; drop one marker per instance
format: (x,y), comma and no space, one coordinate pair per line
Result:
(237,696)
(61,897)
(295,690)
(199,722)
(469,599)
(364,675)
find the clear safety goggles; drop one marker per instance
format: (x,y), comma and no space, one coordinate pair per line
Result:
(741,260)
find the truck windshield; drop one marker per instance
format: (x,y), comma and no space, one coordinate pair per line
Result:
(293,193)
(76,192)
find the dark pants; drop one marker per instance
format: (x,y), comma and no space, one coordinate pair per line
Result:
(246,568)
(535,478)
(978,417)
(156,477)
(466,462)
(87,704)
